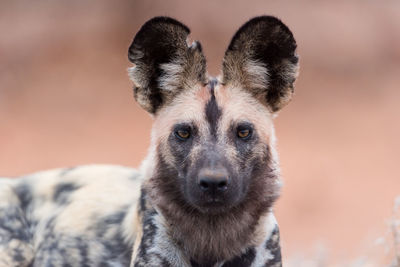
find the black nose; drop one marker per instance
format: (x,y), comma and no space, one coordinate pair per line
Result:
(213,182)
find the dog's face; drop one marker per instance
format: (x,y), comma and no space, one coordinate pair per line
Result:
(213,140)
(216,138)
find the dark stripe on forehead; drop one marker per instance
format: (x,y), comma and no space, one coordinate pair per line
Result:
(212,111)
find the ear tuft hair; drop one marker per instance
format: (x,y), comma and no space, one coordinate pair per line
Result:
(262,59)
(164,64)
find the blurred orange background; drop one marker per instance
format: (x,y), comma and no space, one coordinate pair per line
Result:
(65,99)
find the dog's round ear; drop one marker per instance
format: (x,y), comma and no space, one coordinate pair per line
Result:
(262,59)
(164,63)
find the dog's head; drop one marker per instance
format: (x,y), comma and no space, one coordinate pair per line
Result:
(213,139)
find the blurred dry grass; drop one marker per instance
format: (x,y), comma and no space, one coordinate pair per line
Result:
(384,252)
(65,99)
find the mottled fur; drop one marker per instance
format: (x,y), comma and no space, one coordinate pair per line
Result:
(205,192)
(83,216)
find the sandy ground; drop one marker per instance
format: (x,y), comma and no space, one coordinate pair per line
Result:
(65,99)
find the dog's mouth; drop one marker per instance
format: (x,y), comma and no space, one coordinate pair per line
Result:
(213,205)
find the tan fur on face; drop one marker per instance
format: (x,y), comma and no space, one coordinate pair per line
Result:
(192,102)
(186,107)
(235,103)
(239,105)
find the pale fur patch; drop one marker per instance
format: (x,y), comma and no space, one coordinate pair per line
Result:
(257,77)
(268,224)
(109,193)
(184,108)
(239,105)
(192,102)
(7,193)
(136,77)
(290,70)
(171,79)
(140,81)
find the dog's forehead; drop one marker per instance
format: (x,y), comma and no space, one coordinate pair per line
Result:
(238,105)
(213,103)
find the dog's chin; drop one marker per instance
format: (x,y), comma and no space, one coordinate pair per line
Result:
(213,207)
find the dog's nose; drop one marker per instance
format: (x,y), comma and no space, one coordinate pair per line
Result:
(213,181)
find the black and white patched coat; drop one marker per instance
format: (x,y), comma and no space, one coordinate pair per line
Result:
(205,192)
(90,216)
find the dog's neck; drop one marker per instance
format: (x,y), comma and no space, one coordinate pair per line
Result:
(205,241)
(218,237)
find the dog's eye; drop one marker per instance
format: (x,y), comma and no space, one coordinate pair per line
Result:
(243,133)
(182,134)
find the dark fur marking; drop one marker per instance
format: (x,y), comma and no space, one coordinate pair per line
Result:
(181,148)
(115,218)
(244,260)
(204,264)
(245,148)
(142,200)
(58,249)
(274,247)
(165,263)
(115,245)
(62,192)
(149,228)
(13,225)
(18,255)
(168,182)
(24,193)
(62,249)
(212,111)
(149,231)
(284,39)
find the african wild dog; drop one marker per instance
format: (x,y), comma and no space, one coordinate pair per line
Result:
(204,194)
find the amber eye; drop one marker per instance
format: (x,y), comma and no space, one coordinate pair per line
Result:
(182,134)
(244,133)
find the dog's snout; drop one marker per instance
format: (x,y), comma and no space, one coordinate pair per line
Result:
(213,181)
